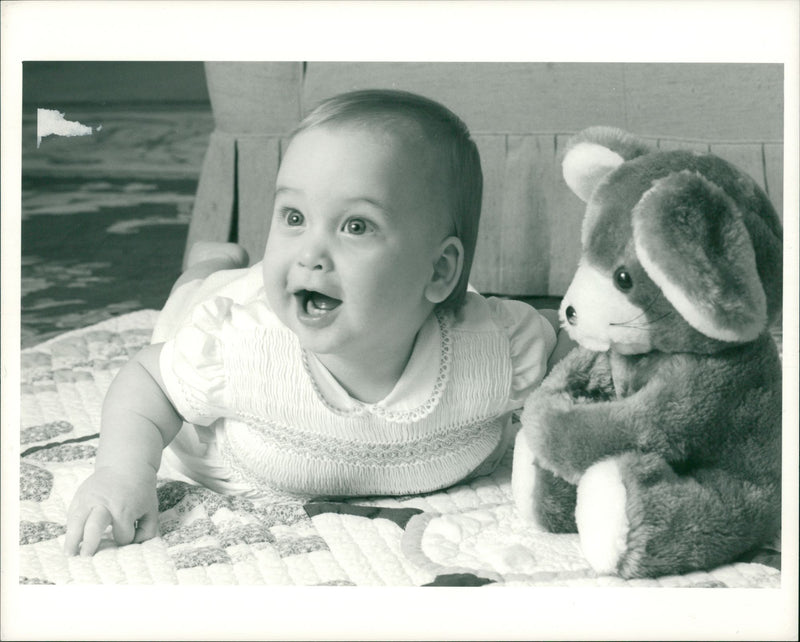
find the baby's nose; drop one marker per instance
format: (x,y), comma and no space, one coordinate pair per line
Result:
(314,257)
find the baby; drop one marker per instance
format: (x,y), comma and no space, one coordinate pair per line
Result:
(352,360)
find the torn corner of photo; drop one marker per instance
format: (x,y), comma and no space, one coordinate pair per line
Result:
(51,122)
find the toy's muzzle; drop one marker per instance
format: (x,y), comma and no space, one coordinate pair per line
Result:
(607,317)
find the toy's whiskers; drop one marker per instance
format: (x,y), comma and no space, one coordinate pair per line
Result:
(643,326)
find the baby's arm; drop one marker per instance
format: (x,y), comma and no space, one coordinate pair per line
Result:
(138,421)
(207,257)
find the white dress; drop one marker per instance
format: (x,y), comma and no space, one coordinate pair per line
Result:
(264,417)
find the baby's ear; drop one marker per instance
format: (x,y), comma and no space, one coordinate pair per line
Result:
(446,270)
(594,153)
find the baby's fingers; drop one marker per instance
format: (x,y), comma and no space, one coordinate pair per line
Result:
(123,529)
(76,522)
(146,528)
(97,522)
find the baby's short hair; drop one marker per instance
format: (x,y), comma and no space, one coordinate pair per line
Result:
(443,130)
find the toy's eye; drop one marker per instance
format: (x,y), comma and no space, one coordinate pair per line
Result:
(622,279)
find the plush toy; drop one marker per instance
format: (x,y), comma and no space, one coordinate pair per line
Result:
(659,437)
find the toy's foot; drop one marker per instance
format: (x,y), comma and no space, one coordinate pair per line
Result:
(230,255)
(601,516)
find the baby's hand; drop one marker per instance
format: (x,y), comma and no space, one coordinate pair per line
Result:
(123,499)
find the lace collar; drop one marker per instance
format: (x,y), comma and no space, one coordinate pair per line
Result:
(416,393)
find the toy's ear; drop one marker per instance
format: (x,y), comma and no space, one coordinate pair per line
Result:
(595,152)
(690,238)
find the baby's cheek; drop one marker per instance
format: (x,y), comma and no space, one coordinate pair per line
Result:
(272,282)
(271,266)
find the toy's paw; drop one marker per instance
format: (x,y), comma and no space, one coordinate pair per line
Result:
(590,386)
(582,374)
(602,517)
(542,500)
(554,505)
(551,435)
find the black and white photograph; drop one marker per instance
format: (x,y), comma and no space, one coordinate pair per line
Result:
(401,338)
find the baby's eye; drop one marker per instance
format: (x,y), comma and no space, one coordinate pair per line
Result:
(356,226)
(292,217)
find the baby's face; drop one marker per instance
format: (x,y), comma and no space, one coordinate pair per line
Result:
(359,216)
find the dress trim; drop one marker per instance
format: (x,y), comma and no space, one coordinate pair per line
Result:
(400,416)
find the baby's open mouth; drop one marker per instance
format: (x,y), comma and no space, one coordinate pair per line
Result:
(315,303)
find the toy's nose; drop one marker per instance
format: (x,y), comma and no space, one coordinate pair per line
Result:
(572,315)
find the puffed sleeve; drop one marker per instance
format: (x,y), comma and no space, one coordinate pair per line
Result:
(192,364)
(532,339)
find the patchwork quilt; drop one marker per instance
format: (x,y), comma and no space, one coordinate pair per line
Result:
(468,535)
